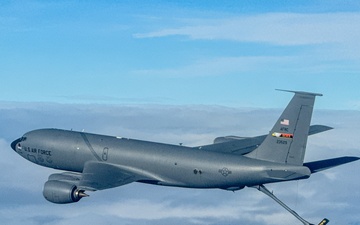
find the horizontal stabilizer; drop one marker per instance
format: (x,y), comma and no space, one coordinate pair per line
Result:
(315,129)
(318,166)
(300,92)
(244,145)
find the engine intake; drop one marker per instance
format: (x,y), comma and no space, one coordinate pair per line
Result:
(62,192)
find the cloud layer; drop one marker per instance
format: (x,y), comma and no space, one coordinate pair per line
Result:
(321,195)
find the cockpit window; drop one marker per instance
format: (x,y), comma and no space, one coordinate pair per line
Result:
(23,139)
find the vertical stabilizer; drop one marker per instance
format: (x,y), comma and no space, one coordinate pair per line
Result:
(286,142)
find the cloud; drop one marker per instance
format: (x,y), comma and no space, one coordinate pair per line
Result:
(272,28)
(310,62)
(315,198)
(222,65)
(308,44)
(109,99)
(247,66)
(144,209)
(321,43)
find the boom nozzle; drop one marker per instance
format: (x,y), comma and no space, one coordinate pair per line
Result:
(82,194)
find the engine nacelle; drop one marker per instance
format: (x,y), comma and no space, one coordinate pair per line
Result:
(62,192)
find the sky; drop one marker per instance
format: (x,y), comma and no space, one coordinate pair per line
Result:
(179,52)
(179,72)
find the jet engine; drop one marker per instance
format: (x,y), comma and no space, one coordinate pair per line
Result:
(62,192)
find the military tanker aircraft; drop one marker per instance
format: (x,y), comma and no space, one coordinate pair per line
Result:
(96,162)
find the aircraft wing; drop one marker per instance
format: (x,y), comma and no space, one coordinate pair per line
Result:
(241,146)
(100,175)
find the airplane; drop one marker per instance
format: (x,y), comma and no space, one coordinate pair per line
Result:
(96,162)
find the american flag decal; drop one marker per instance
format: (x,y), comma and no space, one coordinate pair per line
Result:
(285,122)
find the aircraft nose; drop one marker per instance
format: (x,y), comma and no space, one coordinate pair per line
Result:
(14,143)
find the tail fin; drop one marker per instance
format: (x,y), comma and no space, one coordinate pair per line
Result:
(286,142)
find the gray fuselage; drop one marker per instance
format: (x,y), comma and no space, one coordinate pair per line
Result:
(162,164)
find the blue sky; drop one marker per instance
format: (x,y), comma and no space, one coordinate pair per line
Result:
(170,52)
(178,71)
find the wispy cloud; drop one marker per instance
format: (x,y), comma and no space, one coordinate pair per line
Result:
(273,28)
(219,66)
(309,62)
(329,44)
